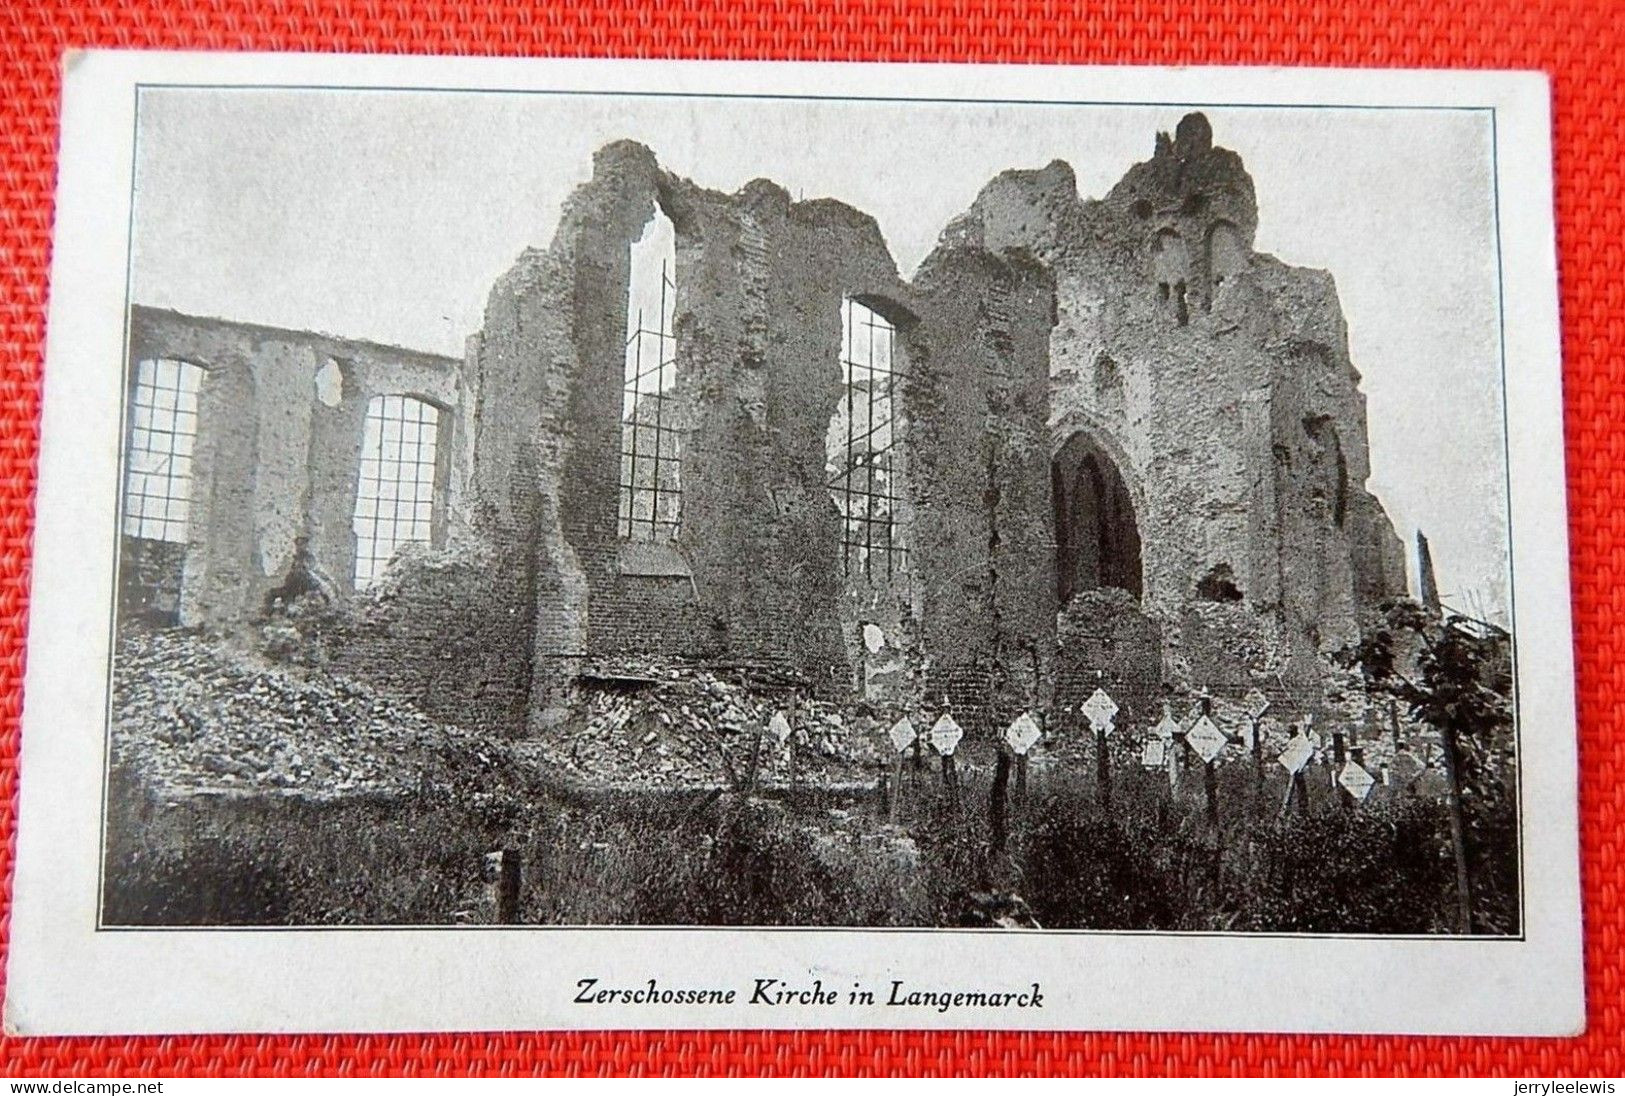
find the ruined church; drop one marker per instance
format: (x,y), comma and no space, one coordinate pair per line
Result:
(1089,442)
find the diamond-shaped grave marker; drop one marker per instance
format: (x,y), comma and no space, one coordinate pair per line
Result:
(1256,703)
(1355,780)
(1404,770)
(1168,728)
(779,726)
(902,734)
(1099,710)
(945,735)
(1206,739)
(1023,733)
(1155,754)
(1296,754)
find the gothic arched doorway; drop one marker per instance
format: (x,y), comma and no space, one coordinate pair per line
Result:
(1097,541)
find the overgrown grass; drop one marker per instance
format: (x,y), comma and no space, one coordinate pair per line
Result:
(255,861)
(606,858)
(1149,860)
(1154,861)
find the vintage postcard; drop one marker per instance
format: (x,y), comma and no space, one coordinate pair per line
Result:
(530,544)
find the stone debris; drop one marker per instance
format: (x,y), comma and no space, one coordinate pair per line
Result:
(653,726)
(198,716)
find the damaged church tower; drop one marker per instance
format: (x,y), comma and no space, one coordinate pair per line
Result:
(1208,429)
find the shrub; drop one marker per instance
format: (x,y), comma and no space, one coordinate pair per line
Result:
(1382,870)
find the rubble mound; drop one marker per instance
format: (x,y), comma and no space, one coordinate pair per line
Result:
(680,726)
(193,715)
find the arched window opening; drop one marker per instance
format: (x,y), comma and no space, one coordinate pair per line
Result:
(163,431)
(1332,468)
(397,493)
(1170,270)
(1097,537)
(1226,256)
(651,493)
(863,462)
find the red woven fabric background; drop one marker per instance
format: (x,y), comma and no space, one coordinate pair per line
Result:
(1578,43)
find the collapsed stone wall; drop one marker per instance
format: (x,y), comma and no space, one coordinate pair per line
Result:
(1106,642)
(448,629)
(754,576)
(276,463)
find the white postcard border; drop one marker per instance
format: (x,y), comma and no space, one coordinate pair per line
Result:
(64,976)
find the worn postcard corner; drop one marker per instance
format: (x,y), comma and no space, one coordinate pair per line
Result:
(531,544)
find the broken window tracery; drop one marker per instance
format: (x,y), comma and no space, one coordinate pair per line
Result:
(862,461)
(651,494)
(395,497)
(163,430)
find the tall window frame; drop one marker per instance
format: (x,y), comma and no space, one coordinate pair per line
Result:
(651,491)
(163,435)
(864,461)
(398,489)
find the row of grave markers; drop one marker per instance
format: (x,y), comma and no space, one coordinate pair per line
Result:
(944,735)
(1209,742)
(1203,736)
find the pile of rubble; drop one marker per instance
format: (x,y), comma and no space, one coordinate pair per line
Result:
(191,715)
(688,727)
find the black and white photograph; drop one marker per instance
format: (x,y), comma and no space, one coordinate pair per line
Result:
(545,508)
